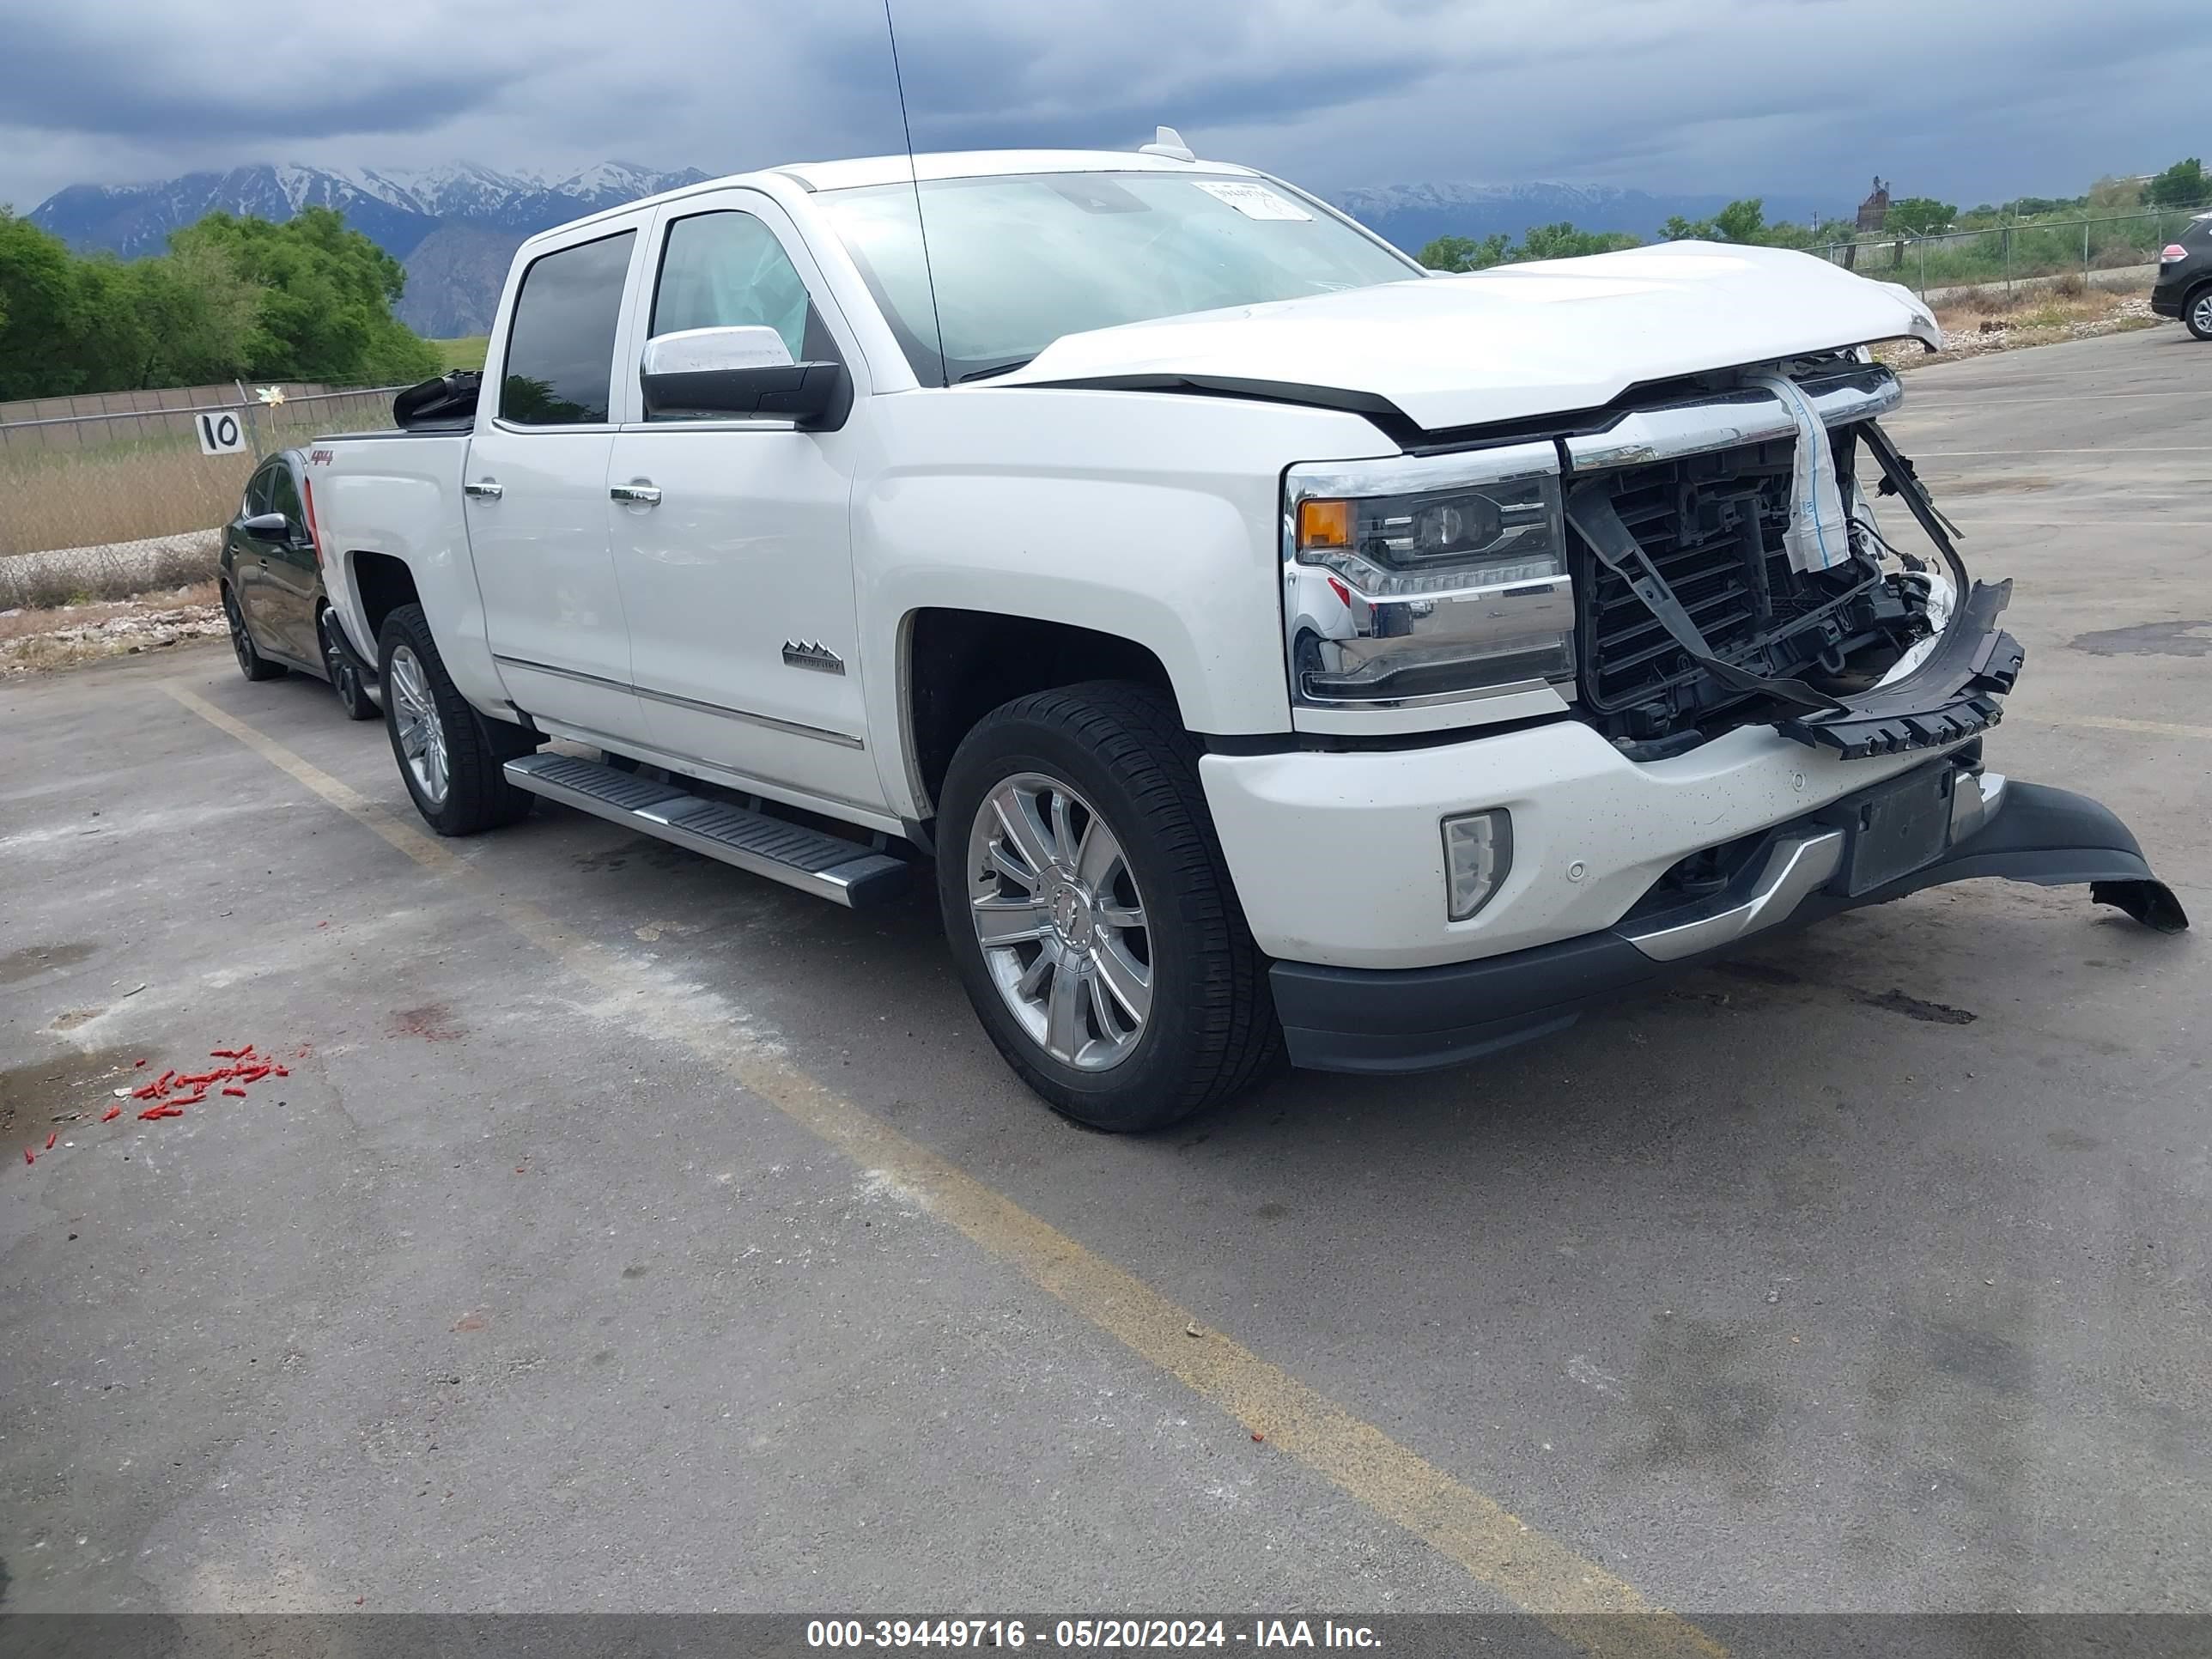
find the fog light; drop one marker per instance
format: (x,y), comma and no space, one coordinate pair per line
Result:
(1478,852)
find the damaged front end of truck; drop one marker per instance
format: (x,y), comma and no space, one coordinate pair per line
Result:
(1719,588)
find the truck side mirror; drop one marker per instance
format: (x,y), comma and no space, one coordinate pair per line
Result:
(710,373)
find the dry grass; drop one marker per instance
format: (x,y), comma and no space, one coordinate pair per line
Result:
(68,496)
(118,493)
(1993,320)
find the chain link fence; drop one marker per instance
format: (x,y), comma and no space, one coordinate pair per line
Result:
(2119,250)
(102,501)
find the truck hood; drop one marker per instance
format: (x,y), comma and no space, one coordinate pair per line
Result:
(1506,344)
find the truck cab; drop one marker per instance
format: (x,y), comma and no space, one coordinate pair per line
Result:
(1266,647)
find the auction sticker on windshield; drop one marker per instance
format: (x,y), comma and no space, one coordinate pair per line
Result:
(1252,201)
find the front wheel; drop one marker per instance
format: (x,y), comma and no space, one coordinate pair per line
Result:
(339,666)
(451,758)
(1090,912)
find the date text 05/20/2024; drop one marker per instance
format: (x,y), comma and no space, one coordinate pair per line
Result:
(1087,1635)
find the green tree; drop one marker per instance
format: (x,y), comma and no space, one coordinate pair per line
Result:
(41,325)
(1741,221)
(2182,184)
(1920,215)
(201,314)
(308,300)
(1563,241)
(1464,253)
(326,298)
(2111,195)
(1559,241)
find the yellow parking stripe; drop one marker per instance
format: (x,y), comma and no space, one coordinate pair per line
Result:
(1530,1569)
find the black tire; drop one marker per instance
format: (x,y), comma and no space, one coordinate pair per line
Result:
(2197,312)
(1210,1028)
(251,662)
(477,795)
(346,680)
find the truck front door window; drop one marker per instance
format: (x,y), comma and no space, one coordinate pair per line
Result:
(561,345)
(727,269)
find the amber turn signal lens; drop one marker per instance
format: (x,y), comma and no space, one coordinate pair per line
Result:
(1324,524)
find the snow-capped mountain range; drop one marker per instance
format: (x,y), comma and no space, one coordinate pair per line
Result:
(456,227)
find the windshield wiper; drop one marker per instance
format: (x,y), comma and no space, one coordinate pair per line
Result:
(989,369)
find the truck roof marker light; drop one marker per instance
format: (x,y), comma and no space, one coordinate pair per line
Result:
(1324,524)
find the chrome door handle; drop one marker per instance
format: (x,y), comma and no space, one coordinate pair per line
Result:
(637,494)
(486,490)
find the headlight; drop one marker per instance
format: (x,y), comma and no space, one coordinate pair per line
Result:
(1426,580)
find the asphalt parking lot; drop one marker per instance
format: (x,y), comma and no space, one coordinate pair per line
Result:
(632,1233)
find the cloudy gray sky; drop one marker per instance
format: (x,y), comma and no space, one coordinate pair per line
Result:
(1968,99)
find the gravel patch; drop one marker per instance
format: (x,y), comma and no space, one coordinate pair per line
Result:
(1997,334)
(33,640)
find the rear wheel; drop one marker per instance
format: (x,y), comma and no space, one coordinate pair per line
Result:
(251,662)
(345,677)
(450,756)
(1090,912)
(2198,315)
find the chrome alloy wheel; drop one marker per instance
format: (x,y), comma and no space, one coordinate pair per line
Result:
(1060,922)
(2200,313)
(422,733)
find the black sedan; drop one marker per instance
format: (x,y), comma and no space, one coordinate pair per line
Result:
(273,590)
(2184,278)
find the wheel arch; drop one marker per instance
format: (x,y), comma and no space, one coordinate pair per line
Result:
(383,582)
(956,666)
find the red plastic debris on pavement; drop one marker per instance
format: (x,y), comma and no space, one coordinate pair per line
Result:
(50,1138)
(226,1054)
(111,1113)
(240,1093)
(137,1062)
(29,1157)
(152,1112)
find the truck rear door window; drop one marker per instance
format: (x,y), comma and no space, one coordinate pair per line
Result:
(561,344)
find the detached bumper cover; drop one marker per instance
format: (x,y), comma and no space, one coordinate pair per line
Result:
(1415,1019)
(1956,693)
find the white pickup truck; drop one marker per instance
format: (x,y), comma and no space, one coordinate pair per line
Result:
(1275,647)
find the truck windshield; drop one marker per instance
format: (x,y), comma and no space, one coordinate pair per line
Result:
(1019,260)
